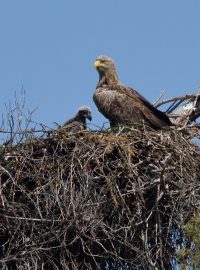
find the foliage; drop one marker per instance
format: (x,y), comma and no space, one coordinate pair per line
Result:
(189,254)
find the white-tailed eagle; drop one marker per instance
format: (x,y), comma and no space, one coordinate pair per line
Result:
(123,105)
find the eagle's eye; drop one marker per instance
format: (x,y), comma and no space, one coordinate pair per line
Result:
(102,60)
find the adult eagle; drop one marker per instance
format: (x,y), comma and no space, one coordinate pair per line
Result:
(121,104)
(78,122)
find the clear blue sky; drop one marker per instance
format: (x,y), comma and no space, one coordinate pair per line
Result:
(49,48)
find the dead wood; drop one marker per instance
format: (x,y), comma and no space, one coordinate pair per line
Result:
(93,200)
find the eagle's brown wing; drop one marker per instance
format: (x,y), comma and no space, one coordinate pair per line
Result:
(72,125)
(121,104)
(149,112)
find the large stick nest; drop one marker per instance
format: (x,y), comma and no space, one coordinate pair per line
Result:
(93,200)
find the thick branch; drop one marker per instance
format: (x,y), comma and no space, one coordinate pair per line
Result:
(186,113)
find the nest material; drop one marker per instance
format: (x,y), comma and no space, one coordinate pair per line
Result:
(94,200)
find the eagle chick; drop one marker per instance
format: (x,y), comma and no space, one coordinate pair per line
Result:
(78,122)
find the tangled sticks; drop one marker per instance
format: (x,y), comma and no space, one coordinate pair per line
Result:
(93,200)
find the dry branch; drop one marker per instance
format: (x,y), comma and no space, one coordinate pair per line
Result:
(94,200)
(184,109)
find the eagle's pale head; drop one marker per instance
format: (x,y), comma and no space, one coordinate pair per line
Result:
(106,69)
(104,63)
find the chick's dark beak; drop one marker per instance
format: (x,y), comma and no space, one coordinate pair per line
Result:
(89,117)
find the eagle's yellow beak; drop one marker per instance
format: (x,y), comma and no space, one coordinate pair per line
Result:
(97,64)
